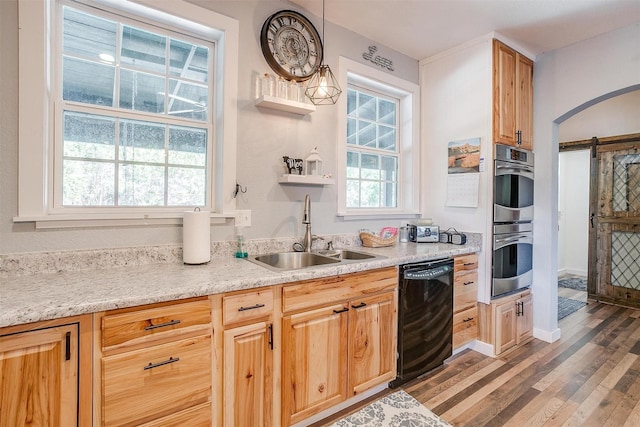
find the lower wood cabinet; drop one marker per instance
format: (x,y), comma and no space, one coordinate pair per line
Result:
(154,366)
(507,322)
(248,359)
(45,373)
(340,340)
(465,296)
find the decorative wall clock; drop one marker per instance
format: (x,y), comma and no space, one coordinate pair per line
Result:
(291,45)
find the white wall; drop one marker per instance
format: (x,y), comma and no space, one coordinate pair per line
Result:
(456,105)
(264,136)
(567,81)
(573,215)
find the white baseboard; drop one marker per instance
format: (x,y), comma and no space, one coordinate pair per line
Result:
(483,348)
(548,336)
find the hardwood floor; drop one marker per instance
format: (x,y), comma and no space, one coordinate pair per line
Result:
(590,377)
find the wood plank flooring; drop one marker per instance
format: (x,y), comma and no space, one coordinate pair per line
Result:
(590,377)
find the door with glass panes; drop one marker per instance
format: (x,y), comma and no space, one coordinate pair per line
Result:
(614,265)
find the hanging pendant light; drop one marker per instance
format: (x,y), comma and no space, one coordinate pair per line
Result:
(323,87)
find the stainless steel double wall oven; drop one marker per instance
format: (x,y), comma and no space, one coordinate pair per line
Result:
(512,220)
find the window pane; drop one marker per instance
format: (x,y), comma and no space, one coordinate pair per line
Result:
(189,61)
(353,193)
(141,185)
(387,138)
(88,136)
(367,107)
(141,92)
(351,101)
(187,146)
(187,100)
(370,194)
(88,183)
(351,131)
(141,142)
(386,112)
(353,165)
(366,134)
(186,187)
(389,168)
(370,166)
(389,195)
(143,49)
(87,82)
(87,35)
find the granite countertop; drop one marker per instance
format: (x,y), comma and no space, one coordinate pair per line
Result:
(32,298)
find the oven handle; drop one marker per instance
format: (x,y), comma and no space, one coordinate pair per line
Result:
(509,170)
(506,241)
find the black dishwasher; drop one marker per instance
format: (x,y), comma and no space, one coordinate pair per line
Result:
(425,318)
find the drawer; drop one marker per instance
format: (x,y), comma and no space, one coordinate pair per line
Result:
(142,385)
(465,291)
(141,325)
(465,262)
(465,327)
(318,292)
(247,306)
(198,416)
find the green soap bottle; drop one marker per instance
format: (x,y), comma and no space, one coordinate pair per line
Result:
(240,252)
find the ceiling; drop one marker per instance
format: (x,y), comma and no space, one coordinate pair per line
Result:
(423,28)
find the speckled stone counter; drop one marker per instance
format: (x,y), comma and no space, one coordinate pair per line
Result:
(32,298)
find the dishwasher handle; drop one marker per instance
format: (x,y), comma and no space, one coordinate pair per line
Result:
(422,273)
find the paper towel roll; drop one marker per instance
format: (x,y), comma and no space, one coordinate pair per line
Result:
(196,237)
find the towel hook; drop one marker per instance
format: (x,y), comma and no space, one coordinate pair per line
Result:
(239,189)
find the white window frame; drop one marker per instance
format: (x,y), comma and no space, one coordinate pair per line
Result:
(408,94)
(35,112)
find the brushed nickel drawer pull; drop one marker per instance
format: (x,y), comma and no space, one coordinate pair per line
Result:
(166,362)
(162,325)
(253,307)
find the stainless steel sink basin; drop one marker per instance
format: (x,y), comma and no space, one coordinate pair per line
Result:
(286,261)
(346,254)
(292,260)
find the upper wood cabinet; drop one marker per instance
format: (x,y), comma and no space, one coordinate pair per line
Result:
(512,97)
(40,381)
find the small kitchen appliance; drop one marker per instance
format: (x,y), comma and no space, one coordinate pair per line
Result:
(424,233)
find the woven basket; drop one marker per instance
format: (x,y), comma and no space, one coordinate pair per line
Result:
(372,241)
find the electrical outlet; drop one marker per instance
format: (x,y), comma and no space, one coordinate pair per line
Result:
(243,218)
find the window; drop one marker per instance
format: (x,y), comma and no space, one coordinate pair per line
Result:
(134,115)
(138,119)
(372,150)
(379,149)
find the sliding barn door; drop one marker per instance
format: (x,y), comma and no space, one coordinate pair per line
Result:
(614,267)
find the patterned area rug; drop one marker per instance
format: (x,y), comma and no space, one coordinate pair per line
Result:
(567,306)
(398,409)
(577,283)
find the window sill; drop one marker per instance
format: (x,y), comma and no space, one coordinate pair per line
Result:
(113,220)
(367,215)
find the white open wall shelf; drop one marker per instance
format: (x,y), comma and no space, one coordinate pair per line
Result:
(305,180)
(285,105)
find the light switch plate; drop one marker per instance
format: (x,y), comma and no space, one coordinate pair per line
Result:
(243,218)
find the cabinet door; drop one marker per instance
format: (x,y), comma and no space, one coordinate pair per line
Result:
(524,101)
(248,364)
(504,94)
(314,360)
(505,327)
(39,377)
(372,342)
(525,318)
